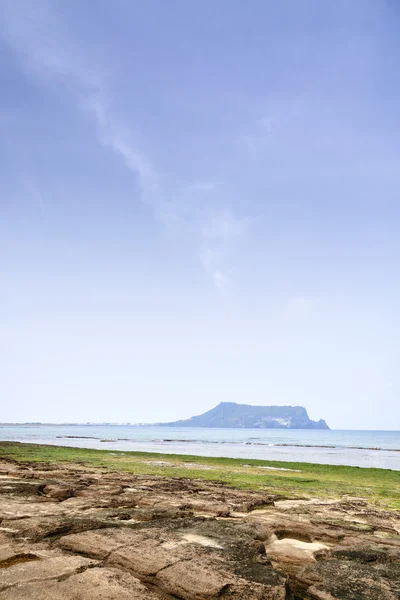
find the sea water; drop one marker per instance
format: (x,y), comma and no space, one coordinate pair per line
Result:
(379,449)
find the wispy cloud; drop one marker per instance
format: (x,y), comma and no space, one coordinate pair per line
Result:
(49,56)
(210,259)
(218,238)
(255,141)
(119,139)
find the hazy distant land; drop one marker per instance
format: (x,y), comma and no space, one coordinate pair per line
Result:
(232,415)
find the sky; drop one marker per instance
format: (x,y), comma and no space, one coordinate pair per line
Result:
(199,202)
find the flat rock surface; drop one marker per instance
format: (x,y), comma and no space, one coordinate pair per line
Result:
(92,584)
(85,533)
(38,569)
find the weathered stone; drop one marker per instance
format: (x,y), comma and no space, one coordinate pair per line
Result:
(143,560)
(58,492)
(346,524)
(8,550)
(216,510)
(341,580)
(100,491)
(192,580)
(42,570)
(257,529)
(20,487)
(93,584)
(39,528)
(295,527)
(245,590)
(293,551)
(99,544)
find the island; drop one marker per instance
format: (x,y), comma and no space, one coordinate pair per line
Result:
(230,414)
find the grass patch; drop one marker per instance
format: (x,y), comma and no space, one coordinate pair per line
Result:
(378,486)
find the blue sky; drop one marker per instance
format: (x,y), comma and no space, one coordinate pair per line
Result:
(199,202)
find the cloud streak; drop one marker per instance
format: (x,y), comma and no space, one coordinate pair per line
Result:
(256,141)
(219,236)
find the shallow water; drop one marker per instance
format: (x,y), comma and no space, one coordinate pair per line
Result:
(379,449)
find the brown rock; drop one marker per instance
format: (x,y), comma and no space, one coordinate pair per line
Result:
(342,580)
(20,487)
(192,580)
(42,570)
(39,528)
(98,544)
(143,560)
(58,492)
(93,584)
(257,529)
(256,591)
(12,554)
(97,491)
(8,550)
(216,510)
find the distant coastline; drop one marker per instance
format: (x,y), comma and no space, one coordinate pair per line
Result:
(67,424)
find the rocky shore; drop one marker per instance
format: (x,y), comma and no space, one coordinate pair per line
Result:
(72,532)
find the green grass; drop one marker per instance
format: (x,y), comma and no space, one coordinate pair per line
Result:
(304,480)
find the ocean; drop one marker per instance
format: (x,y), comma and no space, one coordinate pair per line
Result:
(380,449)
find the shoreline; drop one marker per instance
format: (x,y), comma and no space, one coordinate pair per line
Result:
(278,450)
(381,486)
(146,526)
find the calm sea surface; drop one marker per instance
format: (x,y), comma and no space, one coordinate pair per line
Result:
(379,449)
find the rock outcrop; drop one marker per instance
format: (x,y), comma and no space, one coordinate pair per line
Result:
(69,532)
